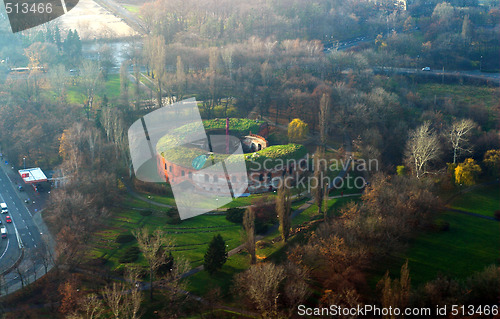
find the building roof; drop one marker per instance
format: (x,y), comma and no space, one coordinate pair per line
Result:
(32,175)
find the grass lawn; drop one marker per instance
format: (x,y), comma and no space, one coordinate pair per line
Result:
(132,8)
(484,200)
(191,236)
(468,94)
(469,246)
(77,95)
(201,282)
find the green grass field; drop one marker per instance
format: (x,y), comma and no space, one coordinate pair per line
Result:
(468,94)
(132,8)
(77,95)
(191,236)
(484,200)
(471,244)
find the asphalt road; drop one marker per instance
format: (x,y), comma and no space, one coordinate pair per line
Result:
(492,77)
(23,234)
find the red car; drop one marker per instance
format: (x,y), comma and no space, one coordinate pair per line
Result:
(8,219)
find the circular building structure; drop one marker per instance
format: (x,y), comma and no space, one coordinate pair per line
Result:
(238,148)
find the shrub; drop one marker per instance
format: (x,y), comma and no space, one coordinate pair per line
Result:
(146,213)
(260,227)
(483,286)
(262,244)
(172,212)
(121,186)
(235,215)
(441,225)
(124,238)
(401,170)
(174,220)
(497,214)
(130,255)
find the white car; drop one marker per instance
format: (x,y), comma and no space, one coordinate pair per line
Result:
(426,68)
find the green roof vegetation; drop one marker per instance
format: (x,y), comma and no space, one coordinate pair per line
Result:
(184,155)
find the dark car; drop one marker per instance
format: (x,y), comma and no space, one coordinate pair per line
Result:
(20,188)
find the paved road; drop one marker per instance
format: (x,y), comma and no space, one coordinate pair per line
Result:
(134,22)
(24,235)
(492,77)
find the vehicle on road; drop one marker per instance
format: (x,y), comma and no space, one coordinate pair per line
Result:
(8,219)
(4,208)
(20,188)
(426,68)
(3,232)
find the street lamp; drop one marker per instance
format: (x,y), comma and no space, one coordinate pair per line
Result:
(481,64)
(24,162)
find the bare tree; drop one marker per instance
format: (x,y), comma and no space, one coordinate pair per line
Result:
(124,83)
(91,80)
(21,273)
(296,290)
(283,208)
(422,148)
(174,287)
(155,248)
(249,226)
(458,135)
(396,293)
(113,295)
(58,77)
(91,305)
(3,285)
(324,116)
(180,77)
(133,298)
(260,284)
(155,49)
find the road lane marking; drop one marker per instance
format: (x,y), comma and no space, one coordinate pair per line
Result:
(6,248)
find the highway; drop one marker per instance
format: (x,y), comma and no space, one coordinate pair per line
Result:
(491,77)
(23,236)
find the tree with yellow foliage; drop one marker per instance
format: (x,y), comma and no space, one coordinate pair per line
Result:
(467,172)
(297,130)
(492,162)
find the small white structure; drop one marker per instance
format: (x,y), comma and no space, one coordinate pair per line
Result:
(32,175)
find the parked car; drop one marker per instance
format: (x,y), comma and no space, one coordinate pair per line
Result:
(8,219)
(426,68)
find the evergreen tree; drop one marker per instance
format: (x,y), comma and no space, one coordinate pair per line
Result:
(72,48)
(216,255)
(283,208)
(57,38)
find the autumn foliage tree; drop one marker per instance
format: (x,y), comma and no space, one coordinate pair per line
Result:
(492,161)
(297,130)
(466,173)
